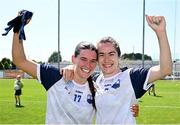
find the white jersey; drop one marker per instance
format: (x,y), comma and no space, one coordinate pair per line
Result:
(67,102)
(18,85)
(115,95)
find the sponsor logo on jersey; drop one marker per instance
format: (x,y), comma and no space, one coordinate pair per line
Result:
(77,91)
(116,84)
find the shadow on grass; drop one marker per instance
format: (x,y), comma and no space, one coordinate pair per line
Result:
(19,106)
(156,95)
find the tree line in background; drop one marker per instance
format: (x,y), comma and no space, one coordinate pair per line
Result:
(54,57)
(6,63)
(135,56)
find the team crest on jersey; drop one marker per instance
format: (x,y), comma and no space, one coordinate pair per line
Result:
(89,99)
(116,84)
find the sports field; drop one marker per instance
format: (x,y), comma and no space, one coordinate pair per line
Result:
(162,109)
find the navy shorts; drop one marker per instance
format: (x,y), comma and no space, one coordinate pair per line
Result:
(18,92)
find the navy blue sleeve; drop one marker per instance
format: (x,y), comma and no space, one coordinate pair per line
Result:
(49,75)
(138,77)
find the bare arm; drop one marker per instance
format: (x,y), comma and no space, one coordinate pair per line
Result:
(19,58)
(158,24)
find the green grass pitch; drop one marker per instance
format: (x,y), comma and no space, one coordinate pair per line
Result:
(33,99)
(162,109)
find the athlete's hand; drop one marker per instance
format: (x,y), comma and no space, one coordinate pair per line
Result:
(67,72)
(135,110)
(157,23)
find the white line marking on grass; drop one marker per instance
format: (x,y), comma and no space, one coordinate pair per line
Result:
(169,92)
(177,107)
(23,101)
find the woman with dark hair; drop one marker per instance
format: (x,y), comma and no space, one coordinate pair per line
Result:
(117,89)
(68,102)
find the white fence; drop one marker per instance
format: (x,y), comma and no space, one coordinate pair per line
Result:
(124,63)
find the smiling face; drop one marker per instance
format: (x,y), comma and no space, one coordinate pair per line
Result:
(85,63)
(108,59)
(84,60)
